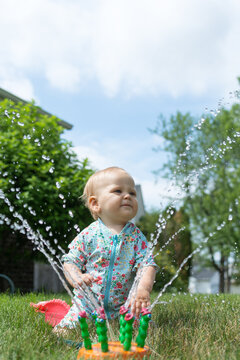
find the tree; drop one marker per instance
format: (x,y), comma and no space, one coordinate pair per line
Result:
(204,161)
(40,176)
(173,245)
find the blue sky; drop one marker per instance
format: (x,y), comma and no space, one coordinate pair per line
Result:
(111,67)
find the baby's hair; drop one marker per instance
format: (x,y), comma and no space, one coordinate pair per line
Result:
(90,187)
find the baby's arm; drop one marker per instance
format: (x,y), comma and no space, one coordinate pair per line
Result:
(75,277)
(142,299)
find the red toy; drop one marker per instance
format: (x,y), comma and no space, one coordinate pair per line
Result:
(54,310)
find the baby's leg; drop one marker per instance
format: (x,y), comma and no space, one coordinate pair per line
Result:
(70,321)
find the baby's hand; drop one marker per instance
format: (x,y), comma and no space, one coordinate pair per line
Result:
(76,277)
(142,300)
(87,279)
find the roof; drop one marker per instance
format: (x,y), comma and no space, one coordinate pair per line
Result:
(7,95)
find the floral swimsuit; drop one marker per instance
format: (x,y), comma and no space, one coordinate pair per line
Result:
(112,259)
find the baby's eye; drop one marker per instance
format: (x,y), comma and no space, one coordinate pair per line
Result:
(132,193)
(118,191)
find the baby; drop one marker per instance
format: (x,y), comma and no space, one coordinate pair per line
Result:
(106,255)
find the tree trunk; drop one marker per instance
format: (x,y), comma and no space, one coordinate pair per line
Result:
(220,268)
(222,275)
(221,281)
(228,284)
(228,277)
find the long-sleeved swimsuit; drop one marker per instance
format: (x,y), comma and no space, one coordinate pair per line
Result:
(113,260)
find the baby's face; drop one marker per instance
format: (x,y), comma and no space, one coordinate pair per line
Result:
(116,196)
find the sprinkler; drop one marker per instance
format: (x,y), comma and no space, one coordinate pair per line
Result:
(122,321)
(102,332)
(84,330)
(142,332)
(129,318)
(122,349)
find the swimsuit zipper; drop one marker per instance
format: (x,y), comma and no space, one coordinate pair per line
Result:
(109,277)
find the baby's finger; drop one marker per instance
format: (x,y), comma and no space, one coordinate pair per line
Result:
(144,304)
(88,279)
(138,308)
(78,282)
(133,308)
(89,276)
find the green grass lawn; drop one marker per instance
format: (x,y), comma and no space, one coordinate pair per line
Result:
(185,327)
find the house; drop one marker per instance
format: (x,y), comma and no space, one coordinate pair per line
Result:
(141,209)
(206,281)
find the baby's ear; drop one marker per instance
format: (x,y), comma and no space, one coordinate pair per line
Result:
(93,205)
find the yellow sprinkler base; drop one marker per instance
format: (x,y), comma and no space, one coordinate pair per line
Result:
(115,351)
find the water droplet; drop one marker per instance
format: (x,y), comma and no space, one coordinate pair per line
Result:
(6,113)
(71,213)
(76,227)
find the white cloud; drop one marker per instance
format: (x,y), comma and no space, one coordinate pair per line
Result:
(97,161)
(129,47)
(18,83)
(63,76)
(132,153)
